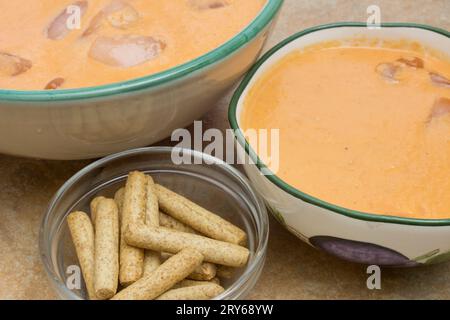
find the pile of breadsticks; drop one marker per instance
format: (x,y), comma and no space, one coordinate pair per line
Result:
(153,243)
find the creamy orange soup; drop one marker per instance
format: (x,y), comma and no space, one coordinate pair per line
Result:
(362,127)
(43,44)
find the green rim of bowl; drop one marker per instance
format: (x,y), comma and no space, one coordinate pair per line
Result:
(244,37)
(288,188)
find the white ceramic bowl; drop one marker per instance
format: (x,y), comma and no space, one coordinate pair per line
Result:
(96,121)
(355,236)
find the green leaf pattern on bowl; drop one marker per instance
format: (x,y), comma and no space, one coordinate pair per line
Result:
(279,217)
(433,257)
(277,214)
(439,258)
(426,256)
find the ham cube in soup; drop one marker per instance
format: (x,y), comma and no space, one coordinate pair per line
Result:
(119,14)
(12,65)
(415,62)
(439,80)
(61,25)
(95,24)
(55,84)
(440,108)
(208,4)
(125,51)
(388,71)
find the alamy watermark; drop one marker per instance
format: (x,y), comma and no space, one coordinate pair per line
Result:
(374,280)
(263,143)
(374,18)
(73,281)
(73,21)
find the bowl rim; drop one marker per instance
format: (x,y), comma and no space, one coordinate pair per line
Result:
(265,16)
(259,255)
(232,118)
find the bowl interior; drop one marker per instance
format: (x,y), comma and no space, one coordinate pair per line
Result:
(430,37)
(217,187)
(261,21)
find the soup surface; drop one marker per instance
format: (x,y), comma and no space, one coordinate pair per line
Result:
(68,44)
(363,127)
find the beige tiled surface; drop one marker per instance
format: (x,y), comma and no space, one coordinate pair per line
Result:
(293,270)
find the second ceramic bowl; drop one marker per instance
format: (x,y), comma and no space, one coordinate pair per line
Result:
(355,236)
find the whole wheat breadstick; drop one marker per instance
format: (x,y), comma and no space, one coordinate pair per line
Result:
(167,240)
(82,233)
(151,207)
(172,223)
(192,283)
(106,249)
(162,279)
(199,292)
(152,259)
(198,218)
(225,272)
(118,198)
(93,207)
(133,211)
(204,272)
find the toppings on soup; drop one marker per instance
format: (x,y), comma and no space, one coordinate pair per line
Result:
(50,44)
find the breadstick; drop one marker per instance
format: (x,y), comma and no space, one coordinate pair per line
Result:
(133,211)
(225,272)
(150,263)
(106,249)
(82,233)
(162,279)
(167,240)
(118,198)
(198,218)
(151,208)
(204,272)
(192,283)
(199,292)
(171,223)
(152,259)
(93,207)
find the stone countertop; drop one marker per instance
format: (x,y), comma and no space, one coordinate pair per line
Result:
(293,269)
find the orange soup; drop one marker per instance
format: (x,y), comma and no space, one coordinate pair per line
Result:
(363,127)
(69,44)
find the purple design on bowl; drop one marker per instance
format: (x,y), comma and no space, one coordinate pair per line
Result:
(361,252)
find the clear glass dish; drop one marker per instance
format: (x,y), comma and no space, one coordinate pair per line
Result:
(213,184)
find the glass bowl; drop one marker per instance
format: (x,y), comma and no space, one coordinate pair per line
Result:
(212,184)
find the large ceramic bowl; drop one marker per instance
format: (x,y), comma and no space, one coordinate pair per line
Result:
(355,236)
(92,122)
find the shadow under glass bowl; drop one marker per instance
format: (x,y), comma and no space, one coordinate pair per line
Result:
(212,184)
